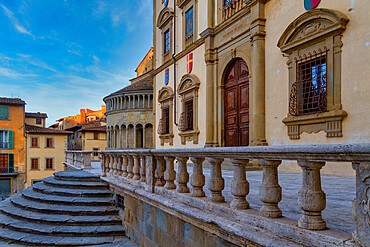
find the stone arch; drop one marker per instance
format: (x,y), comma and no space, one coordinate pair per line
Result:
(130,136)
(188,82)
(116,136)
(139,135)
(123,136)
(224,67)
(148,136)
(166,93)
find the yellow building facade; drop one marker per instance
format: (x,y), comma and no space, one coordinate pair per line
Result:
(261,73)
(45,152)
(12,146)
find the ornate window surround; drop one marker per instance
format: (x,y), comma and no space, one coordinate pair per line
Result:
(185,5)
(188,88)
(164,22)
(165,99)
(315,30)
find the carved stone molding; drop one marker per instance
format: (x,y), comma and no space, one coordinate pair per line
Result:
(164,17)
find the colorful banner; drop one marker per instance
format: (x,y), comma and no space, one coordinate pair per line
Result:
(165,3)
(166,76)
(189,59)
(311,4)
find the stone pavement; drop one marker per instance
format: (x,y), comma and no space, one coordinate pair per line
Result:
(340,192)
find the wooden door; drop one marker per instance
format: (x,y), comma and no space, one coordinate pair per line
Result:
(237,105)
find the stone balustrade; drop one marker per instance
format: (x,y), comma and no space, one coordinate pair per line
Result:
(78,160)
(152,174)
(232,7)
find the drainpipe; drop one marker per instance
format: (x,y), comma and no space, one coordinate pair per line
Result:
(174,64)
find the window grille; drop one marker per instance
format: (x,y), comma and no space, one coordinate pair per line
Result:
(308,93)
(4,161)
(167,41)
(121,202)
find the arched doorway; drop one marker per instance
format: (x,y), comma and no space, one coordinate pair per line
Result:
(236,108)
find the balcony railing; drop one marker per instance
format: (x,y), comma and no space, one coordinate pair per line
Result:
(8,169)
(80,160)
(231,7)
(4,145)
(152,174)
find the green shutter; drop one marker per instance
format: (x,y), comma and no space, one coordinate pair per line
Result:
(11,139)
(6,112)
(11,163)
(2,112)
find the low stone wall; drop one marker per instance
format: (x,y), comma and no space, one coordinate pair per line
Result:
(148,225)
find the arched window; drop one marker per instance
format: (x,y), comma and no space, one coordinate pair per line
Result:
(165,125)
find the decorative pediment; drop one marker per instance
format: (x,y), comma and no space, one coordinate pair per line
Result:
(164,17)
(312,25)
(188,82)
(181,3)
(166,93)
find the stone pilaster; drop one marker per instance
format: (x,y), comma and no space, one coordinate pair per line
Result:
(170,174)
(197,179)
(311,198)
(239,185)
(217,183)
(270,192)
(182,176)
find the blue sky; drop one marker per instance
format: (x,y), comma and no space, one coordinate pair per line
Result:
(63,55)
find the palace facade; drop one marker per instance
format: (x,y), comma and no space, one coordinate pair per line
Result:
(259,72)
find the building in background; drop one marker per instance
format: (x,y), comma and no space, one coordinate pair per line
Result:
(90,136)
(85,116)
(36,119)
(130,110)
(252,73)
(45,152)
(12,146)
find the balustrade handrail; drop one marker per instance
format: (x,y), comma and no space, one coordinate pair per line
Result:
(324,152)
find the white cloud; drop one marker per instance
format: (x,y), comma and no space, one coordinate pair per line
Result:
(9,73)
(36,62)
(15,22)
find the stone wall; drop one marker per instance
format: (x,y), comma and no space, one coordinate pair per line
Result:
(151,226)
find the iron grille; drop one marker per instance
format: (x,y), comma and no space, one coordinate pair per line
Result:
(166,116)
(308,93)
(189,114)
(227,2)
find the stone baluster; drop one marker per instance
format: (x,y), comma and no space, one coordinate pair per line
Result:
(239,185)
(110,164)
(136,168)
(159,172)
(124,166)
(115,163)
(217,183)
(182,176)
(197,179)
(119,165)
(170,174)
(270,190)
(103,165)
(130,166)
(311,198)
(143,169)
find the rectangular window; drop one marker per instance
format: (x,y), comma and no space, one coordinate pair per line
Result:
(34,163)
(96,136)
(5,188)
(34,142)
(311,85)
(166,117)
(167,41)
(189,114)
(38,120)
(4,163)
(189,22)
(95,152)
(4,139)
(49,143)
(4,113)
(49,163)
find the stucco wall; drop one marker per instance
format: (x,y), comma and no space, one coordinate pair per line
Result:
(89,143)
(60,142)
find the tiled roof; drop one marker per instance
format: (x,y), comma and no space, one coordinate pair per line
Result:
(94,129)
(41,130)
(143,85)
(36,115)
(11,101)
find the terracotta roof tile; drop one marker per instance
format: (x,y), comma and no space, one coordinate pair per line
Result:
(145,84)
(94,129)
(11,101)
(41,130)
(36,115)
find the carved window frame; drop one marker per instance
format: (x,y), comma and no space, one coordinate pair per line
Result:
(165,23)
(186,5)
(314,31)
(165,99)
(188,90)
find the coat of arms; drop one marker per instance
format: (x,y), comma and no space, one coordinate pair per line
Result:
(166,76)
(311,4)
(189,62)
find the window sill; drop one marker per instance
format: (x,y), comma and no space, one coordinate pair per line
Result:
(166,138)
(49,169)
(34,147)
(330,122)
(189,135)
(50,147)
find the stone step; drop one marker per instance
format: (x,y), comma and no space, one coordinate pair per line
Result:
(33,195)
(51,181)
(43,188)
(6,207)
(19,201)
(64,230)
(74,175)
(44,240)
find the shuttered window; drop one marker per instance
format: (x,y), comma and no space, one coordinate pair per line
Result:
(6,163)
(34,164)
(49,143)
(34,142)
(49,163)
(6,139)
(4,113)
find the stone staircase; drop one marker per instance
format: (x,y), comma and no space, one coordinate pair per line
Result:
(73,208)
